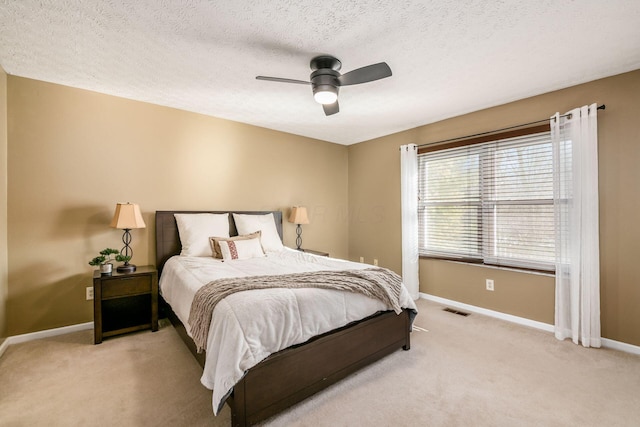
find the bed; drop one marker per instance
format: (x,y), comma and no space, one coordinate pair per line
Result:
(290,375)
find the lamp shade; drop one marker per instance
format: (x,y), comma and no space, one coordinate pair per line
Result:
(127,216)
(299,215)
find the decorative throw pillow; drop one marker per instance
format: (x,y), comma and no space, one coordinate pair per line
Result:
(270,239)
(195,229)
(215,242)
(240,249)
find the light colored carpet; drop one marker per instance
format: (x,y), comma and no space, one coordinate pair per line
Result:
(465,371)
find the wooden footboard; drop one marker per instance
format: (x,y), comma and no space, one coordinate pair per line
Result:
(293,374)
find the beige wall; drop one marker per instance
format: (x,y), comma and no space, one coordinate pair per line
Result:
(374,200)
(374,182)
(73,154)
(3,205)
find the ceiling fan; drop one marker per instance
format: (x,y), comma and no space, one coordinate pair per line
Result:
(326,80)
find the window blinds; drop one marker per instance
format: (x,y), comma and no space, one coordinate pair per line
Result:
(489,202)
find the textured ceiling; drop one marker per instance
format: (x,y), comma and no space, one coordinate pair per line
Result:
(448,57)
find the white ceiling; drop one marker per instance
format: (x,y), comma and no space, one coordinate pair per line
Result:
(448,57)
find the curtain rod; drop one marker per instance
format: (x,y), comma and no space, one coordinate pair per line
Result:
(600,107)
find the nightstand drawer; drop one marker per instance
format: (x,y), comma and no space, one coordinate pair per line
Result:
(112,288)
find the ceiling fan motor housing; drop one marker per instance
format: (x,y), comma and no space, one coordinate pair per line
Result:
(325,80)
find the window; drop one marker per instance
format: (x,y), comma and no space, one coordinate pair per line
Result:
(489,202)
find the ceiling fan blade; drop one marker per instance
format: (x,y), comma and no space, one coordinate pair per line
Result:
(278,79)
(365,74)
(330,109)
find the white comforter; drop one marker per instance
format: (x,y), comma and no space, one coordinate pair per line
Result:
(249,326)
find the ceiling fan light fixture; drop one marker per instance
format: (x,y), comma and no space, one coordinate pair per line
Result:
(325,96)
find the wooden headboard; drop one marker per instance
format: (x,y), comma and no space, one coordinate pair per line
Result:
(168,239)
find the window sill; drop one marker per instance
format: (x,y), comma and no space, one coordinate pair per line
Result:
(479,263)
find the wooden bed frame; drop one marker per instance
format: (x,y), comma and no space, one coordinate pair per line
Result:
(295,373)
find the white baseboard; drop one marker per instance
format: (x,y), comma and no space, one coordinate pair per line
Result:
(622,346)
(16,339)
(612,344)
(608,343)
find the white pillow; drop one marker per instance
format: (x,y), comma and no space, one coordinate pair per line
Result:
(240,249)
(270,239)
(195,230)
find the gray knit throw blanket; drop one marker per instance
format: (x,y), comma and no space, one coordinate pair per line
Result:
(378,283)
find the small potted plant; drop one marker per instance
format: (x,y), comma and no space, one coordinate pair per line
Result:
(104,260)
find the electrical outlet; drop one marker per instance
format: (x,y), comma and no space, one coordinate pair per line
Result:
(489,284)
(89,291)
(361,259)
(375,261)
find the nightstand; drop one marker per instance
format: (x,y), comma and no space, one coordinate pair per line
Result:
(125,302)
(311,251)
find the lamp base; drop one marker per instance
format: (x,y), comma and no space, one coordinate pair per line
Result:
(299,237)
(126,268)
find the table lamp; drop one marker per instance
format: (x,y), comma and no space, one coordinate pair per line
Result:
(299,216)
(127,217)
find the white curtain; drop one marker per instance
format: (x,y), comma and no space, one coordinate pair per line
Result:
(575,147)
(409,204)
